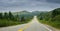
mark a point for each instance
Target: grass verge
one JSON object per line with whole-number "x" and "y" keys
{"x": 4, "y": 23}
{"x": 53, "y": 24}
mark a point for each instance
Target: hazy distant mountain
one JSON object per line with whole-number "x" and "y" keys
{"x": 36, "y": 12}
{"x": 21, "y": 12}
{"x": 26, "y": 13}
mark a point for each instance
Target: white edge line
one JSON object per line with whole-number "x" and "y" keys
{"x": 46, "y": 27}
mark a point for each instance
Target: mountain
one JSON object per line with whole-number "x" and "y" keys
{"x": 21, "y": 12}
{"x": 26, "y": 13}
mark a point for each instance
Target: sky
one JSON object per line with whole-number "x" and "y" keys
{"x": 29, "y": 5}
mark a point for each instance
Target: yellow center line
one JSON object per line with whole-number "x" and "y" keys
{"x": 24, "y": 27}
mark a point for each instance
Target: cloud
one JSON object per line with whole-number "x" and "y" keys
{"x": 54, "y": 1}
{"x": 12, "y": 3}
{"x": 25, "y": 3}
{"x": 6, "y": 5}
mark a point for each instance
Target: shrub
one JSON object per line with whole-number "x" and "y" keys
{"x": 56, "y": 18}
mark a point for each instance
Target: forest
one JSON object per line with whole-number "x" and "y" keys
{"x": 8, "y": 19}
{"x": 51, "y": 18}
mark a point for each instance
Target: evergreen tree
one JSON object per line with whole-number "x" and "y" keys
{"x": 16, "y": 18}
{"x": 22, "y": 19}
{"x": 6, "y": 15}
{"x": 1, "y": 15}
{"x": 55, "y": 12}
{"x": 11, "y": 16}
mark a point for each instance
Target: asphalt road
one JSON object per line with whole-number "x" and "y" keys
{"x": 34, "y": 25}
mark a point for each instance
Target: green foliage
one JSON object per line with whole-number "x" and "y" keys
{"x": 7, "y": 19}
{"x": 1, "y": 15}
{"x": 5, "y": 15}
{"x": 51, "y": 18}
{"x": 22, "y": 19}
{"x": 10, "y": 16}
{"x": 55, "y": 24}
{"x": 55, "y": 12}
{"x": 25, "y": 19}
{"x": 56, "y": 18}
{"x": 5, "y": 22}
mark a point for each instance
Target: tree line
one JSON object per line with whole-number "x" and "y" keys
{"x": 17, "y": 17}
{"x": 8, "y": 16}
{"x": 52, "y": 18}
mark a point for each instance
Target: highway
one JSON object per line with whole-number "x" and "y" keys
{"x": 34, "y": 25}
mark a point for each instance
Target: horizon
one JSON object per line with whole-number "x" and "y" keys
{"x": 22, "y": 11}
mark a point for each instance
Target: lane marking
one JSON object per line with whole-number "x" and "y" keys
{"x": 46, "y": 27}
{"x": 29, "y": 25}
{"x": 24, "y": 27}
{"x": 20, "y": 30}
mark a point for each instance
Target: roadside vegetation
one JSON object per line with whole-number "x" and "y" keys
{"x": 51, "y": 18}
{"x": 8, "y": 19}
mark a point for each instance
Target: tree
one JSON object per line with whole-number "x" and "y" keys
{"x": 16, "y": 17}
{"x": 41, "y": 17}
{"x": 22, "y": 19}
{"x": 10, "y": 15}
{"x": 56, "y": 18}
{"x": 1, "y": 15}
{"x": 55, "y": 12}
{"x": 6, "y": 15}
